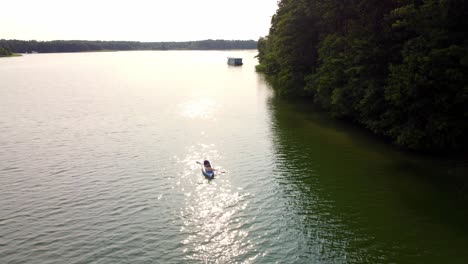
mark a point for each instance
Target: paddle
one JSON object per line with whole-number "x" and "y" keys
{"x": 213, "y": 168}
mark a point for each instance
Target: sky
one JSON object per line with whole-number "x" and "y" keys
{"x": 135, "y": 20}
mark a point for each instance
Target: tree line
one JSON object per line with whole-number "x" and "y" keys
{"x": 399, "y": 68}
{"x": 22, "y": 46}
{"x": 4, "y": 52}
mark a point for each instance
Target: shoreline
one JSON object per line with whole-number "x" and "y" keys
{"x": 12, "y": 55}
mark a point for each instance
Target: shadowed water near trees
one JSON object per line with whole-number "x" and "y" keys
{"x": 361, "y": 201}
{"x": 399, "y": 68}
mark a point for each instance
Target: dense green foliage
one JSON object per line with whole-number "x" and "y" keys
{"x": 4, "y": 52}
{"x": 400, "y": 68}
{"x": 21, "y": 46}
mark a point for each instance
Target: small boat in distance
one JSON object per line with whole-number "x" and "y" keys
{"x": 235, "y": 61}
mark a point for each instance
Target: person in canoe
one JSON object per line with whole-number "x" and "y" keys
{"x": 208, "y": 167}
{"x": 207, "y": 170}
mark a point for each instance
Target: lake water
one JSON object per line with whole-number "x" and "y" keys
{"x": 97, "y": 165}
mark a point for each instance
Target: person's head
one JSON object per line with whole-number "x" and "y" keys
{"x": 206, "y": 163}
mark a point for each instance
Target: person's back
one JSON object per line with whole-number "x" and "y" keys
{"x": 207, "y": 166}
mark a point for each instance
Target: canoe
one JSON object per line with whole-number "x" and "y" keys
{"x": 208, "y": 174}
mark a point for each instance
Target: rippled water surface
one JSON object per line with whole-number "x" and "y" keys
{"x": 97, "y": 165}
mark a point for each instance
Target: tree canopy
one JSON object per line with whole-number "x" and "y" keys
{"x": 5, "y": 52}
{"x": 400, "y": 68}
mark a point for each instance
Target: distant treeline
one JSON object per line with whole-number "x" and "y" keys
{"x": 4, "y": 52}
{"x": 400, "y": 68}
{"x": 22, "y": 46}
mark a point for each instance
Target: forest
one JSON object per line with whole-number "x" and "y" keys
{"x": 5, "y": 52}
{"x": 398, "y": 68}
{"x": 22, "y": 46}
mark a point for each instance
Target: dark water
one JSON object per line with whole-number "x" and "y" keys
{"x": 97, "y": 165}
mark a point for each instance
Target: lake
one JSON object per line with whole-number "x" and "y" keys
{"x": 98, "y": 159}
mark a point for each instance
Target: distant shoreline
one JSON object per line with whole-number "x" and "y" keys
{"x": 61, "y": 46}
{"x": 12, "y": 55}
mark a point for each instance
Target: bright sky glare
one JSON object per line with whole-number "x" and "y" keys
{"x": 136, "y": 20}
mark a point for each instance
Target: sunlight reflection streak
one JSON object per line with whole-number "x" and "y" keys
{"x": 203, "y": 108}
{"x": 211, "y": 216}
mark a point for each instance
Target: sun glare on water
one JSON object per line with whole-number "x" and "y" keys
{"x": 212, "y": 221}
{"x": 199, "y": 108}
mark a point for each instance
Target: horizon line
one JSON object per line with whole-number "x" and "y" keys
{"x": 165, "y": 41}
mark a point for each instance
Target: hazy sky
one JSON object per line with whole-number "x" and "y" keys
{"x": 139, "y": 20}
